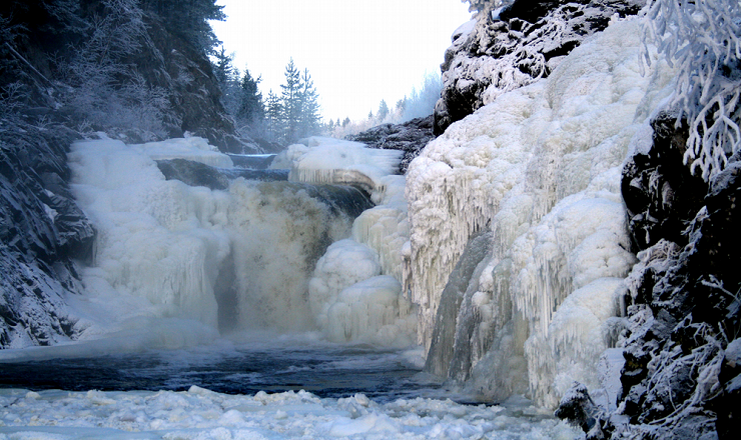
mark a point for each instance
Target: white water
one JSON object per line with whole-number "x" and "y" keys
{"x": 168, "y": 250}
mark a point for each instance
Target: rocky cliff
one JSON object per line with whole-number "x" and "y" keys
{"x": 506, "y": 48}
{"x": 680, "y": 376}
{"x": 41, "y": 231}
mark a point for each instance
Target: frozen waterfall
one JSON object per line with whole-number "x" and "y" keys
{"x": 247, "y": 258}
{"x": 539, "y": 168}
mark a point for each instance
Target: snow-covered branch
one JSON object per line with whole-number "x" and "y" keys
{"x": 703, "y": 38}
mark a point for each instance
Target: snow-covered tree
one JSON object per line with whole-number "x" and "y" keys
{"x": 383, "y": 110}
{"x": 422, "y": 103}
{"x": 102, "y": 89}
{"x": 703, "y": 38}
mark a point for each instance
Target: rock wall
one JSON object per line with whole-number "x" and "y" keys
{"x": 41, "y": 231}
{"x": 680, "y": 370}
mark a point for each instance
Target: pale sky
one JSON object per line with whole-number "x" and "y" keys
{"x": 357, "y": 51}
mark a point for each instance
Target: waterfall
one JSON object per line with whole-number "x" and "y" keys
{"x": 238, "y": 255}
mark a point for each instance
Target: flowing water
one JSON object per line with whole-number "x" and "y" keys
{"x": 326, "y": 370}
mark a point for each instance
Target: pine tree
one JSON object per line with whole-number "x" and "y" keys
{"x": 383, "y": 110}
{"x": 291, "y": 103}
{"x": 309, "y": 119}
{"x": 251, "y": 109}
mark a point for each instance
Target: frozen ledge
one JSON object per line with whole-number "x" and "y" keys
{"x": 327, "y": 161}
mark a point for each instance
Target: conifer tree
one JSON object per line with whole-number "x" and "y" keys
{"x": 383, "y": 110}
{"x": 309, "y": 118}
{"x": 291, "y": 103}
{"x": 296, "y": 113}
{"x": 251, "y": 109}
{"x": 274, "y": 112}
{"x": 222, "y": 66}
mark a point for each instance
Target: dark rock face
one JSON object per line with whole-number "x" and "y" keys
{"x": 522, "y": 43}
{"x": 578, "y": 408}
{"x": 660, "y": 193}
{"x": 167, "y": 60}
{"x": 409, "y": 137}
{"x": 681, "y": 373}
{"x": 41, "y": 231}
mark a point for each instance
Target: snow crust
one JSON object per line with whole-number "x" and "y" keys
{"x": 539, "y": 166}
{"x": 202, "y": 414}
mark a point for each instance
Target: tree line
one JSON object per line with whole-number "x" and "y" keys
{"x": 283, "y": 117}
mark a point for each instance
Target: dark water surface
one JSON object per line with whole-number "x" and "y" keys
{"x": 336, "y": 371}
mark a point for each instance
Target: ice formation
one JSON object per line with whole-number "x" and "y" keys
{"x": 235, "y": 259}
{"x": 356, "y": 289}
{"x": 334, "y": 161}
{"x": 247, "y": 257}
{"x": 203, "y": 414}
{"x": 540, "y": 168}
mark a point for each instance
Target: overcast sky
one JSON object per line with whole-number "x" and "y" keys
{"x": 358, "y": 52}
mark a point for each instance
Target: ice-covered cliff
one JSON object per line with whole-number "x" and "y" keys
{"x": 540, "y": 168}
{"x": 510, "y": 44}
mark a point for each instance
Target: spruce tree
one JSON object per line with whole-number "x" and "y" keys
{"x": 309, "y": 118}
{"x": 291, "y": 103}
{"x": 251, "y": 109}
{"x": 383, "y": 110}
{"x": 273, "y": 117}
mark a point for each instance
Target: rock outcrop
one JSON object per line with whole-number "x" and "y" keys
{"x": 409, "y": 137}
{"x": 681, "y": 374}
{"x": 41, "y": 231}
{"x": 198, "y": 174}
{"x": 507, "y": 48}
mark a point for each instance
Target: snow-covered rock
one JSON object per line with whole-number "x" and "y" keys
{"x": 510, "y": 47}
{"x": 409, "y": 137}
{"x": 41, "y": 231}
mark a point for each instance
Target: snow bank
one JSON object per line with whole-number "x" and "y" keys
{"x": 203, "y": 414}
{"x": 540, "y": 167}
